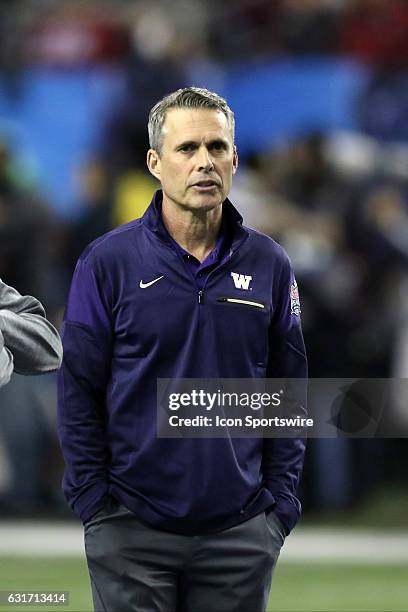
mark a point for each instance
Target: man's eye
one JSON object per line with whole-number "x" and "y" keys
{"x": 218, "y": 146}
{"x": 186, "y": 148}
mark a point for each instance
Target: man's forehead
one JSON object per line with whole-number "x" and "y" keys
{"x": 194, "y": 120}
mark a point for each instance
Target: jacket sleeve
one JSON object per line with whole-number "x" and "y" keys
{"x": 283, "y": 458}
{"x": 6, "y": 363}
{"x": 28, "y": 336}
{"x": 82, "y": 383}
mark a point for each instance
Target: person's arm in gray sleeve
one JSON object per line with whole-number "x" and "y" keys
{"x": 31, "y": 340}
{"x": 6, "y": 363}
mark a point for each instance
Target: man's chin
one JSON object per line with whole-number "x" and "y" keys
{"x": 205, "y": 202}
{"x": 198, "y": 202}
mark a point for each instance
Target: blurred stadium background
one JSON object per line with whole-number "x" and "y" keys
{"x": 320, "y": 92}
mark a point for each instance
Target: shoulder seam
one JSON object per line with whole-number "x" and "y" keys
{"x": 267, "y": 238}
{"x": 94, "y": 246}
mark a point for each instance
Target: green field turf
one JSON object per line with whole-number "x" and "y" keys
{"x": 311, "y": 587}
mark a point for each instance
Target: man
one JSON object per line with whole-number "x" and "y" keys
{"x": 29, "y": 344}
{"x": 178, "y": 524}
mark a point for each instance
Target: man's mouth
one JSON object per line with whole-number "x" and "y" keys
{"x": 207, "y": 184}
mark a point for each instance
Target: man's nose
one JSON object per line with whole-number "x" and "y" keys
{"x": 204, "y": 160}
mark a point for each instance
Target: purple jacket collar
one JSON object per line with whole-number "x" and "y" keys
{"x": 231, "y": 226}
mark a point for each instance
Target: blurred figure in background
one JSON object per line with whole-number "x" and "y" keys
{"x": 307, "y": 26}
{"x": 95, "y": 217}
{"x": 24, "y": 263}
{"x": 375, "y": 31}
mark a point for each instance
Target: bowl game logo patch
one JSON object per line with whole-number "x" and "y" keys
{"x": 294, "y": 299}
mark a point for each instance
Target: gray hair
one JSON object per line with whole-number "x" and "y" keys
{"x": 189, "y": 97}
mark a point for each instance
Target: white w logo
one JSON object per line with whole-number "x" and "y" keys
{"x": 241, "y": 281}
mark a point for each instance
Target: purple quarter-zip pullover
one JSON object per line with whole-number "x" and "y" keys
{"x": 122, "y": 332}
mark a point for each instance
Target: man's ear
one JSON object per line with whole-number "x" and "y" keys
{"x": 153, "y": 163}
{"x": 235, "y": 160}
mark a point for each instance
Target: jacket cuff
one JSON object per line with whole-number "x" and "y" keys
{"x": 90, "y": 501}
{"x": 287, "y": 512}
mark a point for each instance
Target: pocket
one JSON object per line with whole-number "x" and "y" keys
{"x": 109, "y": 509}
{"x": 275, "y": 526}
{"x": 262, "y": 498}
{"x": 243, "y": 324}
{"x": 240, "y": 302}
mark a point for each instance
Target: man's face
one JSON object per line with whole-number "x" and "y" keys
{"x": 198, "y": 158}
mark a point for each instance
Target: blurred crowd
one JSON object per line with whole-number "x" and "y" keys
{"x": 338, "y": 202}
{"x": 68, "y": 32}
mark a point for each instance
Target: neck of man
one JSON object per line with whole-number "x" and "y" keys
{"x": 195, "y": 231}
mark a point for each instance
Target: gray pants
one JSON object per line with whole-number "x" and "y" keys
{"x": 136, "y": 568}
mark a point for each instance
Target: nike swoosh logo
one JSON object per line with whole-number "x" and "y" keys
{"x": 143, "y": 285}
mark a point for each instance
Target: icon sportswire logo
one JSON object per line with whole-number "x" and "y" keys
{"x": 241, "y": 281}
{"x": 143, "y": 285}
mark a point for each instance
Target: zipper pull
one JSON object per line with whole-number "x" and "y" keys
{"x": 200, "y": 297}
